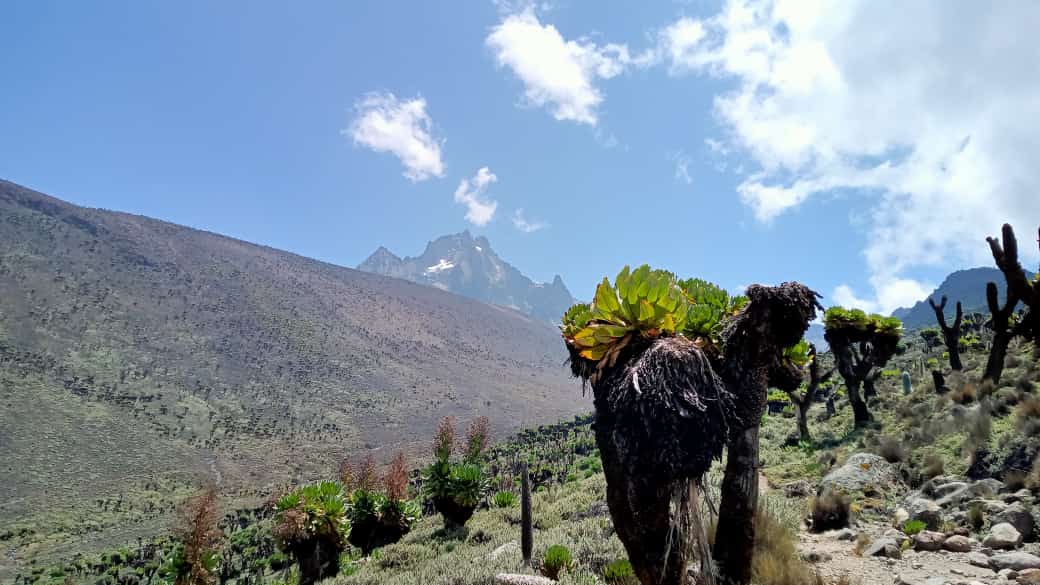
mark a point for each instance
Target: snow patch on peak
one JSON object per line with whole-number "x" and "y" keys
{"x": 440, "y": 267}
{"x": 479, "y": 249}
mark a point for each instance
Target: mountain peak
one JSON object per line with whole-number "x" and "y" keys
{"x": 468, "y": 266}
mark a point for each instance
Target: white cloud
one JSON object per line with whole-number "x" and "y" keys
{"x": 525, "y": 225}
{"x": 472, "y": 193}
{"x": 557, "y": 73}
{"x": 401, "y": 127}
{"x": 891, "y": 293}
{"x": 925, "y": 111}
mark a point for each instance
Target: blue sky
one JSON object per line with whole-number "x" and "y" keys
{"x": 863, "y": 151}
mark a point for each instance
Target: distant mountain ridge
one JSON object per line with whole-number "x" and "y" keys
{"x": 967, "y": 286}
{"x": 468, "y": 266}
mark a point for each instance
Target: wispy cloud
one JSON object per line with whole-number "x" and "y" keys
{"x": 385, "y": 123}
{"x": 682, "y": 167}
{"x": 525, "y": 225}
{"x": 473, "y": 194}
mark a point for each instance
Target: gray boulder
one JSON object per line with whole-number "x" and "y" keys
{"x": 1016, "y": 561}
{"x": 984, "y": 488}
{"x": 1018, "y": 516}
{"x": 958, "y": 544}
{"x": 978, "y": 559}
{"x": 1003, "y": 536}
{"x": 929, "y": 540}
{"x": 862, "y": 472}
{"x": 926, "y": 511}
{"x": 883, "y": 547}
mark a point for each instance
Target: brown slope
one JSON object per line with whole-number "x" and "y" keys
{"x": 131, "y": 347}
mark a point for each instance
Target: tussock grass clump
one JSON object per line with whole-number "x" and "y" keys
{"x": 892, "y": 450}
{"x": 830, "y": 510}
{"x": 976, "y": 516}
{"x": 934, "y": 466}
{"x": 1027, "y": 417}
{"x": 965, "y": 394}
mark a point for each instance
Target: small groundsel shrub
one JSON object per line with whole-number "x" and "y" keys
{"x": 619, "y": 572}
{"x": 456, "y": 488}
{"x": 912, "y": 527}
{"x": 504, "y": 500}
{"x": 557, "y": 558}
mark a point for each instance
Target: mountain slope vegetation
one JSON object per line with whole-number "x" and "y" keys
{"x": 139, "y": 358}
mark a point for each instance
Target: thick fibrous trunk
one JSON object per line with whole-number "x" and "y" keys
{"x": 939, "y": 381}
{"x": 860, "y": 413}
{"x": 803, "y": 401}
{"x": 640, "y": 508}
{"x": 526, "y": 523}
{"x": 951, "y": 335}
{"x": 735, "y": 533}
{"x": 317, "y": 559}
{"x": 1000, "y": 320}
{"x": 661, "y": 419}
{"x": 775, "y": 318}
{"x": 1006, "y": 258}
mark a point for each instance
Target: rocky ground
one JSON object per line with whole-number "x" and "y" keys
{"x": 951, "y": 531}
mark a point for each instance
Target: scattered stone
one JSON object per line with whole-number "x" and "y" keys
{"x": 1029, "y": 577}
{"x": 1018, "y": 516}
{"x": 948, "y": 488}
{"x": 900, "y": 517}
{"x": 813, "y": 556}
{"x": 902, "y": 580}
{"x": 925, "y": 510}
{"x": 1003, "y": 536}
{"x": 508, "y": 548}
{"x": 1016, "y": 561}
{"x": 843, "y": 534}
{"x": 862, "y": 471}
{"x": 978, "y": 559}
{"x": 801, "y": 488}
{"x": 958, "y": 544}
{"x": 517, "y": 579}
{"x": 896, "y": 535}
{"x": 929, "y": 540}
{"x": 883, "y": 547}
{"x": 984, "y": 488}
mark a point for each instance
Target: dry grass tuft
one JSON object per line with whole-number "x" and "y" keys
{"x": 830, "y": 510}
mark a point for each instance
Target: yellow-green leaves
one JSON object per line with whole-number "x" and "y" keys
{"x": 798, "y": 354}
{"x": 649, "y": 303}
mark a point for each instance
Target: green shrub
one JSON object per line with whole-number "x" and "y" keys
{"x": 504, "y": 500}
{"x": 557, "y": 558}
{"x": 912, "y": 527}
{"x": 619, "y": 572}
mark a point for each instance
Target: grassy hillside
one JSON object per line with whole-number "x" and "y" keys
{"x": 139, "y": 358}
{"x": 922, "y": 432}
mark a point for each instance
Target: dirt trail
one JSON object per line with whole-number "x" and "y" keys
{"x": 914, "y": 568}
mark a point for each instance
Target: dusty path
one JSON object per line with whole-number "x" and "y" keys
{"x": 914, "y": 568}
